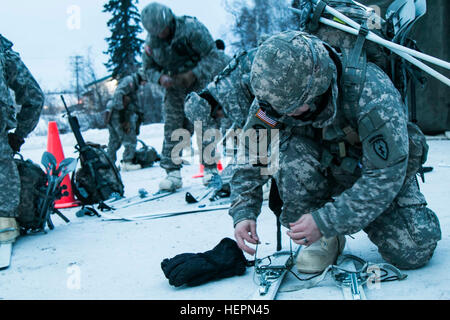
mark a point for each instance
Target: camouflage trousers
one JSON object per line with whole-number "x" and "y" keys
{"x": 406, "y": 234}
{"x": 118, "y": 137}
{"x": 9, "y": 180}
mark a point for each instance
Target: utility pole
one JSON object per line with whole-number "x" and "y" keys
{"x": 76, "y": 63}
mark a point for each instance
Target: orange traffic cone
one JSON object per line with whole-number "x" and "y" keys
{"x": 202, "y": 170}
{"x": 54, "y": 147}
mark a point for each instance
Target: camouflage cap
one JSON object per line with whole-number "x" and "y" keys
{"x": 197, "y": 109}
{"x": 291, "y": 69}
{"x": 156, "y": 17}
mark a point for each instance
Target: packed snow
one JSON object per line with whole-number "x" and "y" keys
{"x": 91, "y": 258}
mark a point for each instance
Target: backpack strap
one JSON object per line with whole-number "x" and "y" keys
{"x": 317, "y": 14}
{"x": 355, "y": 68}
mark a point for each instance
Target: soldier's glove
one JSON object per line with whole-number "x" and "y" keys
{"x": 185, "y": 80}
{"x": 126, "y": 100}
{"x": 15, "y": 141}
{"x": 193, "y": 269}
{"x": 165, "y": 81}
{"x": 126, "y": 127}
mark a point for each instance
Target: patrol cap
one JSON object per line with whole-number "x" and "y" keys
{"x": 156, "y": 17}
{"x": 291, "y": 69}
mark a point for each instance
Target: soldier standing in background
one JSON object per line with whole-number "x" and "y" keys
{"x": 14, "y": 75}
{"x": 124, "y": 118}
{"x": 181, "y": 56}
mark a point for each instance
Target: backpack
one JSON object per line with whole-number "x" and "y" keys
{"x": 146, "y": 156}
{"x": 38, "y": 192}
{"x": 357, "y": 51}
{"x": 33, "y": 182}
{"x": 96, "y": 181}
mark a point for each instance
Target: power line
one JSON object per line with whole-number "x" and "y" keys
{"x": 77, "y": 62}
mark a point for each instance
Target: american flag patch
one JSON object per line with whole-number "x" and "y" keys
{"x": 263, "y": 117}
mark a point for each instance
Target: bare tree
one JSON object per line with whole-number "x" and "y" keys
{"x": 255, "y": 18}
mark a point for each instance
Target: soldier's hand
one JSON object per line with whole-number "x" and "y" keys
{"x": 165, "y": 81}
{"x": 304, "y": 231}
{"x": 126, "y": 100}
{"x": 186, "y": 79}
{"x": 126, "y": 127}
{"x": 246, "y": 231}
{"x": 15, "y": 141}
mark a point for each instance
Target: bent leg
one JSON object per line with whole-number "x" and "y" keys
{"x": 407, "y": 233}
{"x": 115, "y": 138}
{"x": 9, "y": 181}
{"x": 130, "y": 140}
{"x": 174, "y": 119}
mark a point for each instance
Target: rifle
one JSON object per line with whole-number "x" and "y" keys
{"x": 89, "y": 157}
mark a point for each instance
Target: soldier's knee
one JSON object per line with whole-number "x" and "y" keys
{"x": 407, "y": 238}
{"x": 409, "y": 258}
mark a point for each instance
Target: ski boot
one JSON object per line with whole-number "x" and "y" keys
{"x": 171, "y": 182}
{"x": 9, "y": 231}
{"x": 129, "y": 166}
{"x": 318, "y": 256}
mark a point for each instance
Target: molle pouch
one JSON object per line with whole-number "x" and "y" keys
{"x": 349, "y": 165}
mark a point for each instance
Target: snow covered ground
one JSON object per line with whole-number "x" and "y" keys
{"x": 90, "y": 258}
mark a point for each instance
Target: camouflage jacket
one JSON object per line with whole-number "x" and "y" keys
{"x": 230, "y": 90}
{"x": 191, "y": 48}
{"x": 129, "y": 87}
{"x": 376, "y": 169}
{"x": 14, "y": 75}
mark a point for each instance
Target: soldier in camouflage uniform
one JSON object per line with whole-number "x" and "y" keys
{"x": 181, "y": 56}
{"x": 224, "y": 103}
{"x": 124, "y": 117}
{"x": 14, "y": 75}
{"x": 348, "y": 158}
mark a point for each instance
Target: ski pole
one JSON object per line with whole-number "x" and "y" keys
{"x": 398, "y": 49}
{"x": 404, "y": 55}
{"x": 391, "y": 45}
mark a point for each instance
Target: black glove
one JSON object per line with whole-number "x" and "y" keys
{"x": 15, "y": 141}
{"x": 193, "y": 269}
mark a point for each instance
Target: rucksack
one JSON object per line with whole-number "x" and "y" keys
{"x": 99, "y": 181}
{"x": 356, "y": 51}
{"x": 344, "y": 41}
{"x": 146, "y": 156}
{"x": 38, "y": 193}
{"x": 32, "y": 188}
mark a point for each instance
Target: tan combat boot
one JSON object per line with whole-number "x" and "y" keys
{"x": 129, "y": 166}
{"x": 318, "y": 256}
{"x": 171, "y": 182}
{"x": 9, "y": 230}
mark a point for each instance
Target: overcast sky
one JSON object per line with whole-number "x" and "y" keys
{"x": 47, "y": 33}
